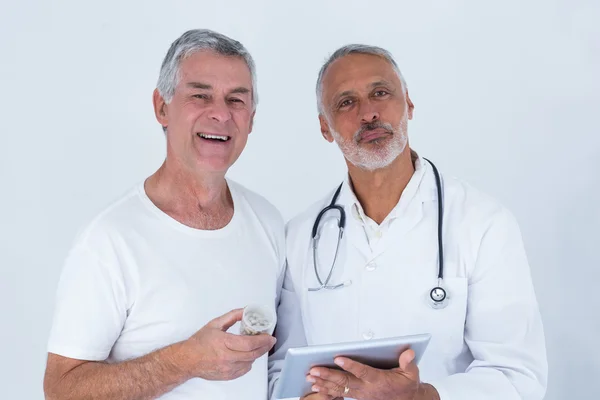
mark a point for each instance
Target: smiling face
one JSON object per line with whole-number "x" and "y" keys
{"x": 211, "y": 113}
{"x": 365, "y": 110}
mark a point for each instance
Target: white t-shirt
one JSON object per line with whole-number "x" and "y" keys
{"x": 136, "y": 280}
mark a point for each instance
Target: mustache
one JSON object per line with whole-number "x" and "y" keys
{"x": 371, "y": 126}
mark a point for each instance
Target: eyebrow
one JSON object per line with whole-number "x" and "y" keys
{"x": 380, "y": 83}
{"x": 199, "y": 85}
{"x": 240, "y": 90}
{"x": 206, "y": 86}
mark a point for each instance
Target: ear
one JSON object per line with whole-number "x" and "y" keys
{"x": 325, "y": 128}
{"x": 160, "y": 109}
{"x": 411, "y": 106}
{"x": 251, "y": 122}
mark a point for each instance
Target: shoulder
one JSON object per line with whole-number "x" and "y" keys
{"x": 111, "y": 222}
{"x": 472, "y": 205}
{"x": 479, "y": 223}
{"x": 94, "y": 252}
{"x": 303, "y": 222}
{"x": 259, "y": 205}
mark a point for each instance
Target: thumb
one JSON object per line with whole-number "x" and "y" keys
{"x": 407, "y": 365}
{"x": 226, "y": 321}
{"x": 406, "y": 358}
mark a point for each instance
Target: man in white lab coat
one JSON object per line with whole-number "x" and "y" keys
{"x": 487, "y": 337}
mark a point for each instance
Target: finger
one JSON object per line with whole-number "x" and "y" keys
{"x": 249, "y": 343}
{"x": 226, "y": 321}
{"x": 238, "y": 369}
{"x": 331, "y": 389}
{"x": 244, "y": 369}
{"x": 332, "y": 375}
{"x": 334, "y": 379}
{"x": 361, "y": 371}
{"x": 249, "y": 356}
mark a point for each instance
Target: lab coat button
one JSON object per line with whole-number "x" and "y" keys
{"x": 368, "y": 335}
{"x": 371, "y": 266}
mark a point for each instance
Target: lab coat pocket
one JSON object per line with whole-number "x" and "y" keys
{"x": 327, "y": 313}
{"x": 447, "y": 325}
{"x": 326, "y": 316}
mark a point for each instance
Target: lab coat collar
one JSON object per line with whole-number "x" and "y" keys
{"x": 415, "y": 188}
{"x": 408, "y": 211}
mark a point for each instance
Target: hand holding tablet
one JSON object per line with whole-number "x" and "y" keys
{"x": 381, "y": 354}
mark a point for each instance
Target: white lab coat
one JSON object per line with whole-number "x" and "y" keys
{"x": 488, "y": 343}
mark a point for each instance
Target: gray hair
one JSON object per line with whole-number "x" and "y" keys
{"x": 197, "y": 40}
{"x": 354, "y": 49}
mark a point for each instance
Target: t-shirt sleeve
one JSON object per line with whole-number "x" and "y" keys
{"x": 91, "y": 306}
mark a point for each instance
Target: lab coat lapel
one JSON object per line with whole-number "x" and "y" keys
{"x": 408, "y": 217}
{"x": 412, "y": 211}
{"x": 356, "y": 235}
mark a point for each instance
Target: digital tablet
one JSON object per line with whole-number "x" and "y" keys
{"x": 378, "y": 353}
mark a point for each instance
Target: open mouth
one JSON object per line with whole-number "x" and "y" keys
{"x": 214, "y": 138}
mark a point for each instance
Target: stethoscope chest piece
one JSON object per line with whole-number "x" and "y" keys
{"x": 438, "y": 297}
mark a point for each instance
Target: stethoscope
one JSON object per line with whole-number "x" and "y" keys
{"x": 437, "y": 295}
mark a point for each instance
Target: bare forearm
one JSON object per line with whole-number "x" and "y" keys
{"x": 143, "y": 378}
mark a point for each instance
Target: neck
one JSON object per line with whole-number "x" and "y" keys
{"x": 201, "y": 201}
{"x": 379, "y": 191}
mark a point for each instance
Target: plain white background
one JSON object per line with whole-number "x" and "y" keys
{"x": 506, "y": 98}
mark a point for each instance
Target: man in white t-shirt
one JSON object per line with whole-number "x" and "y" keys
{"x": 145, "y": 300}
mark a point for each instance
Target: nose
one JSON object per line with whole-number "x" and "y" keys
{"x": 219, "y": 112}
{"x": 368, "y": 113}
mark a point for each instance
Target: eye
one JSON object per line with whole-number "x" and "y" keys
{"x": 380, "y": 93}
{"x": 200, "y": 96}
{"x": 345, "y": 103}
{"x": 236, "y": 100}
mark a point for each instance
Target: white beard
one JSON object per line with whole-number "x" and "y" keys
{"x": 374, "y": 155}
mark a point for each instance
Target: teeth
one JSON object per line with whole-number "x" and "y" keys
{"x": 205, "y": 136}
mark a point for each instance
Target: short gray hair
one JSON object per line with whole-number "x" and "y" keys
{"x": 197, "y": 40}
{"x": 354, "y": 49}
